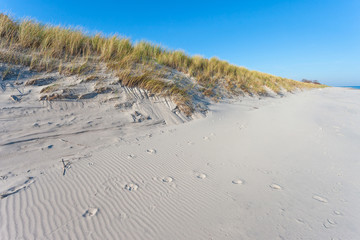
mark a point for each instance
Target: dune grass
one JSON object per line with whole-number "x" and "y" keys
{"x": 70, "y": 51}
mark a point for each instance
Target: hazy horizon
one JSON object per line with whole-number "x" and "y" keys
{"x": 315, "y": 40}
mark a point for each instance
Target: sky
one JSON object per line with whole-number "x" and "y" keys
{"x": 297, "y": 39}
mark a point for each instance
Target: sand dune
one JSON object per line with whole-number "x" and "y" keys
{"x": 275, "y": 168}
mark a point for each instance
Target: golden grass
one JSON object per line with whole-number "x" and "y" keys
{"x": 50, "y": 88}
{"x": 70, "y": 51}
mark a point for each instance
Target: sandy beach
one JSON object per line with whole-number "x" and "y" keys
{"x": 270, "y": 168}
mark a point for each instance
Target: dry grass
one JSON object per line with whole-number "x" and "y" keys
{"x": 70, "y": 51}
{"x": 50, "y": 88}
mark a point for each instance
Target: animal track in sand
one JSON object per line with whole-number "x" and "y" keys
{"x": 90, "y": 212}
{"x": 17, "y": 188}
{"x": 131, "y": 187}
{"x": 238, "y": 181}
{"x": 151, "y": 151}
{"x": 275, "y": 186}
{"x": 201, "y": 175}
{"x": 167, "y": 179}
{"x": 320, "y": 199}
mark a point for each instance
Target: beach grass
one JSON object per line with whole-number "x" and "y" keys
{"x": 71, "y": 51}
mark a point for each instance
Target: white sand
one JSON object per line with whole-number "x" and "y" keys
{"x": 276, "y": 168}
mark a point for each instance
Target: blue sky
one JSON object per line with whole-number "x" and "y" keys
{"x": 318, "y": 40}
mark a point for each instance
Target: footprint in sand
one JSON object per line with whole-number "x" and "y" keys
{"x": 167, "y": 179}
{"x": 238, "y": 181}
{"x": 131, "y": 187}
{"x": 320, "y": 199}
{"x": 337, "y": 213}
{"x": 90, "y": 212}
{"x": 131, "y": 156}
{"x": 329, "y": 223}
{"x": 151, "y": 151}
{"x": 201, "y": 175}
{"x": 299, "y": 220}
{"x": 206, "y": 138}
{"x": 275, "y": 186}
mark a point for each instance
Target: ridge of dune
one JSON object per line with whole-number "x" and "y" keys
{"x": 158, "y": 71}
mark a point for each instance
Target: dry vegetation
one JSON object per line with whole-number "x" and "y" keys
{"x": 69, "y": 51}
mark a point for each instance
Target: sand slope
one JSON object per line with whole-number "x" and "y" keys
{"x": 276, "y": 168}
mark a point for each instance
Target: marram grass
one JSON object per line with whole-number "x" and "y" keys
{"x": 70, "y": 51}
